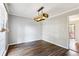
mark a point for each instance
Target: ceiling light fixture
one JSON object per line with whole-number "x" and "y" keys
{"x": 41, "y": 15}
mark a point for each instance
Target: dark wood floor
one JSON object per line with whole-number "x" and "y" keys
{"x": 36, "y": 48}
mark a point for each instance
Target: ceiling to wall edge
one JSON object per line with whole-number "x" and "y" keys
{"x": 19, "y": 16}
{"x": 50, "y": 16}
{"x": 64, "y": 12}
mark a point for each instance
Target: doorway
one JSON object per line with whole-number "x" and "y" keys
{"x": 74, "y": 33}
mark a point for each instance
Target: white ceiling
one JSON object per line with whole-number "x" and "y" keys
{"x": 30, "y": 9}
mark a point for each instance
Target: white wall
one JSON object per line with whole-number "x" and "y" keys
{"x": 3, "y": 40}
{"x": 23, "y": 30}
{"x": 55, "y": 30}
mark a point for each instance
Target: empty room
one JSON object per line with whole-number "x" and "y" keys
{"x": 39, "y": 29}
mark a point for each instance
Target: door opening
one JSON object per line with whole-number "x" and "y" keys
{"x": 74, "y": 33}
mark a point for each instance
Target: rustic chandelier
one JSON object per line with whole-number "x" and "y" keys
{"x": 41, "y": 15}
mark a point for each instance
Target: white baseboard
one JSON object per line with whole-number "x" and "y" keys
{"x": 56, "y": 44}
{"x": 22, "y": 42}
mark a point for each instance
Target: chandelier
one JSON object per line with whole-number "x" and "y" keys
{"x": 41, "y": 15}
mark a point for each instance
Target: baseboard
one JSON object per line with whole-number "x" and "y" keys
{"x": 22, "y": 42}
{"x": 4, "y": 53}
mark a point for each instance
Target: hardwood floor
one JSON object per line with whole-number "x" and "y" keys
{"x": 36, "y": 48}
